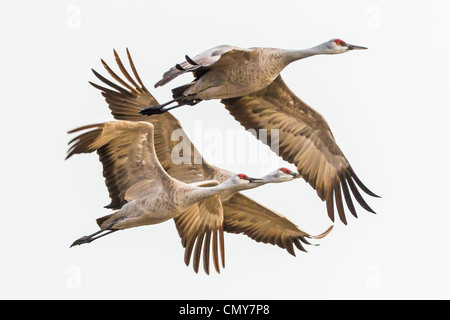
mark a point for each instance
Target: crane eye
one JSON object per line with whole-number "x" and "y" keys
{"x": 285, "y": 170}
{"x": 242, "y": 176}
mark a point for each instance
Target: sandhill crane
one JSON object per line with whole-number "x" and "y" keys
{"x": 227, "y": 72}
{"x": 241, "y": 214}
{"x": 130, "y": 163}
{"x": 249, "y": 84}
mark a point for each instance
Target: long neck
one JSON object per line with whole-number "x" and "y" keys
{"x": 200, "y": 193}
{"x": 294, "y": 55}
{"x": 225, "y": 190}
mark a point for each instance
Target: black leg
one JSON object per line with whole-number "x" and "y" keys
{"x": 155, "y": 109}
{"x": 105, "y": 234}
{"x": 92, "y": 237}
{"x": 151, "y": 110}
{"x": 163, "y": 107}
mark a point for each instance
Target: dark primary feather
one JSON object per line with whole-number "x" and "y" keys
{"x": 305, "y": 139}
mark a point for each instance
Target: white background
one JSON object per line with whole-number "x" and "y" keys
{"x": 388, "y": 108}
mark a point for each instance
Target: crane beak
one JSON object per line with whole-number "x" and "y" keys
{"x": 295, "y": 174}
{"x": 255, "y": 179}
{"x": 353, "y": 47}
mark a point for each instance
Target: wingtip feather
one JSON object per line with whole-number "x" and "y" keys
{"x": 323, "y": 234}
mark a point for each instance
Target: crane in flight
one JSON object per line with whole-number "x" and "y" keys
{"x": 249, "y": 84}
{"x": 226, "y": 72}
{"x": 129, "y": 160}
{"x": 241, "y": 213}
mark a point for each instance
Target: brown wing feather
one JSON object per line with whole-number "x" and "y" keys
{"x": 126, "y": 152}
{"x": 127, "y": 100}
{"x": 305, "y": 139}
{"x": 197, "y": 226}
{"x": 244, "y": 215}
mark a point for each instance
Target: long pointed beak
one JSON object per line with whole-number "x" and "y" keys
{"x": 255, "y": 179}
{"x": 295, "y": 174}
{"x": 353, "y": 47}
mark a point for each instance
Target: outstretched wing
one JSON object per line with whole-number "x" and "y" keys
{"x": 126, "y": 151}
{"x": 244, "y": 215}
{"x": 304, "y": 139}
{"x": 200, "y": 224}
{"x": 201, "y": 63}
{"x": 126, "y": 100}
{"x": 128, "y": 97}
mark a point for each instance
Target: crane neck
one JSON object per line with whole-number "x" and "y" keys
{"x": 200, "y": 193}
{"x": 225, "y": 190}
{"x": 294, "y": 55}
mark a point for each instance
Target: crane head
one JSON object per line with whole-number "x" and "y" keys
{"x": 336, "y": 46}
{"x": 287, "y": 172}
{"x": 280, "y": 175}
{"x": 283, "y": 174}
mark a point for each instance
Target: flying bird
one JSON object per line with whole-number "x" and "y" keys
{"x": 152, "y": 196}
{"x": 241, "y": 213}
{"x": 227, "y": 72}
{"x": 249, "y": 85}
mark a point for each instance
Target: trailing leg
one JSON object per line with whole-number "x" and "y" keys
{"x": 94, "y": 236}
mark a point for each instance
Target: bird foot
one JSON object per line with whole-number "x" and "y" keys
{"x": 82, "y": 240}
